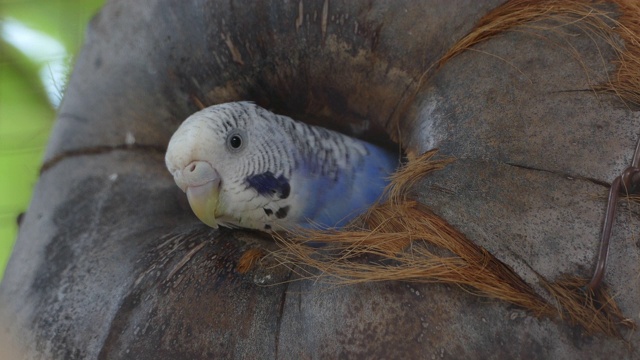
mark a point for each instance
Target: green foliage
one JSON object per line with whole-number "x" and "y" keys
{"x": 26, "y": 113}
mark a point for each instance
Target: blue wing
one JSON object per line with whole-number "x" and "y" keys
{"x": 337, "y": 201}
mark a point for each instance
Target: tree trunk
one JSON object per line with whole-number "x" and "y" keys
{"x": 110, "y": 262}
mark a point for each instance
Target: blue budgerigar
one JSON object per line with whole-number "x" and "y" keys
{"x": 244, "y": 166}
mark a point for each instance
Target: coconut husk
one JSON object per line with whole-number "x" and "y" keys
{"x": 401, "y": 240}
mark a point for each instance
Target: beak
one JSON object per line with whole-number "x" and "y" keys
{"x": 203, "y": 200}
{"x": 201, "y": 182}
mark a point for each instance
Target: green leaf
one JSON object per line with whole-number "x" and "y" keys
{"x": 26, "y": 114}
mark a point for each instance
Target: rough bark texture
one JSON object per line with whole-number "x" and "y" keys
{"x": 110, "y": 263}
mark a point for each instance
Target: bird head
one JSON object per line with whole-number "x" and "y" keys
{"x": 214, "y": 151}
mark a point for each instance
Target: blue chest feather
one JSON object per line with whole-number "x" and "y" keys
{"x": 267, "y": 184}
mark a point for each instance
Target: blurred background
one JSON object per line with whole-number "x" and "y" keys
{"x": 39, "y": 40}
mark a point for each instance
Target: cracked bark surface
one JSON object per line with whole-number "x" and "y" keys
{"x": 110, "y": 262}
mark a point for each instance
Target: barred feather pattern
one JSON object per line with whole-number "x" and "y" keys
{"x": 323, "y": 151}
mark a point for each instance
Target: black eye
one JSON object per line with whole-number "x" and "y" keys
{"x": 236, "y": 140}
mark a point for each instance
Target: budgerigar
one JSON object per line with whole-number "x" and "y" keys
{"x": 244, "y": 166}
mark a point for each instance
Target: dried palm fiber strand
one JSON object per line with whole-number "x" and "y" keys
{"x": 249, "y": 259}
{"x": 595, "y": 310}
{"x": 534, "y": 16}
{"x": 402, "y": 240}
{"x": 620, "y": 28}
{"x": 626, "y": 82}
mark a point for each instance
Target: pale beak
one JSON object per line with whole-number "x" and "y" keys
{"x": 203, "y": 200}
{"x": 201, "y": 182}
